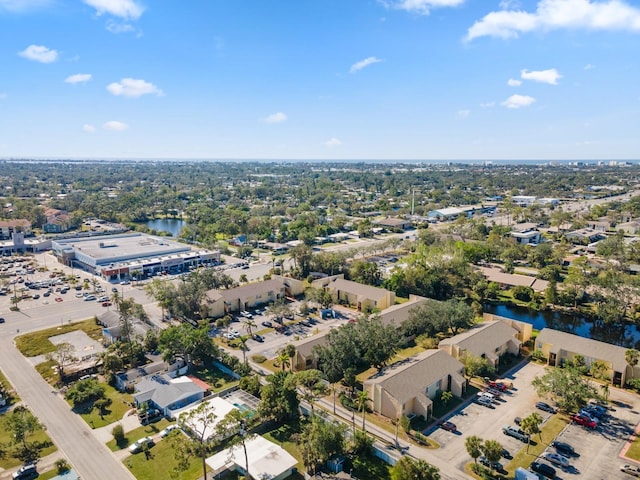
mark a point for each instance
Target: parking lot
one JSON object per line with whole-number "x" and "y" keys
{"x": 599, "y": 449}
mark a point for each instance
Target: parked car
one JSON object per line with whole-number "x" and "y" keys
{"x": 165, "y": 433}
{"x": 587, "y": 414}
{"x": 556, "y": 459}
{"x": 484, "y": 401}
{"x": 89, "y": 298}
{"x": 267, "y": 324}
{"x": 258, "y": 338}
{"x": 58, "y": 299}
{"x": 515, "y": 433}
{"x": 543, "y": 469}
{"x": 545, "y": 407}
{"x": 499, "y": 386}
{"x": 517, "y": 420}
{"x": 494, "y": 465}
{"x": 597, "y": 411}
{"x": 1, "y": 320}
{"x": 25, "y": 472}
{"x": 106, "y": 304}
{"x": 448, "y": 426}
{"x": 304, "y": 323}
{"x": 245, "y": 314}
{"x": 630, "y": 469}
{"x": 138, "y": 445}
{"x": 506, "y": 454}
{"x": 584, "y": 421}
{"x": 565, "y": 449}
{"x": 35, "y": 296}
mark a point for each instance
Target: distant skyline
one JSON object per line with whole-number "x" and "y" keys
{"x": 406, "y": 80}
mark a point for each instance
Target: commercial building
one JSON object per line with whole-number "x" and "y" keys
{"x": 130, "y": 255}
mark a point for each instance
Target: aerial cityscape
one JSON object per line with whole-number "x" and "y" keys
{"x": 366, "y": 240}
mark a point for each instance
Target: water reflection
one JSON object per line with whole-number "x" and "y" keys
{"x": 627, "y": 336}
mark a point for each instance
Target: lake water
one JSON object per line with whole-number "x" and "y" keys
{"x": 172, "y": 225}
{"x": 627, "y": 336}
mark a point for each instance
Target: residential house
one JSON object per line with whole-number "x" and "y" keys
{"x": 411, "y": 385}
{"x": 362, "y": 297}
{"x": 509, "y": 280}
{"x": 599, "y": 225}
{"x": 394, "y": 223}
{"x": 168, "y": 394}
{"x": 265, "y": 460}
{"x": 112, "y": 328}
{"x": 559, "y": 347}
{"x": 58, "y": 221}
{"x": 9, "y": 227}
{"x": 530, "y": 236}
{"x": 584, "y": 236}
{"x": 525, "y": 329}
{"x": 629, "y": 228}
{"x": 489, "y": 340}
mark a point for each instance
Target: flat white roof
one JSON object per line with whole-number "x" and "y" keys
{"x": 220, "y": 408}
{"x": 266, "y": 459}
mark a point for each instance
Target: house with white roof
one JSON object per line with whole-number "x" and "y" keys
{"x": 265, "y": 460}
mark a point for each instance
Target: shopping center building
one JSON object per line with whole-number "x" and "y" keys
{"x": 132, "y": 255}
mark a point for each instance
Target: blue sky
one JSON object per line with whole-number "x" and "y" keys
{"x": 320, "y": 79}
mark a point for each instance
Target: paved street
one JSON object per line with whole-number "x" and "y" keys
{"x": 88, "y": 457}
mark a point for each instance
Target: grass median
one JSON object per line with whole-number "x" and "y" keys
{"x": 548, "y": 433}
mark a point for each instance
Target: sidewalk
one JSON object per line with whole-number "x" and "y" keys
{"x": 129, "y": 422}
{"x": 44, "y": 464}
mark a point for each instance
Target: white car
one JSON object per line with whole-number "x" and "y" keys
{"x": 556, "y": 459}
{"x": 165, "y": 433}
{"x": 246, "y": 314}
{"x": 139, "y": 444}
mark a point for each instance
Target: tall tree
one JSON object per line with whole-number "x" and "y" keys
{"x": 473, "y": 444}
{"x": 408, "y": 468}
{"x": 311, "y": 385}
{"x": 492, "y": 450}
{"x": 199, "y": 422}
{"x": 531, "y": 425}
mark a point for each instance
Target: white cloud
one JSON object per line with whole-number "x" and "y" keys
{"x": 118, "y": 27}
{"x": 488, "y": 104}
{"x": 78, "y": 78}
{"x": 558, "y": 14}
{"x": 509, "y": 4}
{"x": 464, "y": 113}
{"x": 421, "y": 7}
{"x": 333, "y": 142}
{"x": 115, "y": 126}
{"x": 277, "y": 117}
{"x": 133, "y": 88}
{"x": 19, "y": 6}
{"x": 39, "y": 53}
{"x": 514, "y": 83}
{"x": 356, "y": 67}
{"x": 588, "y": 66}
{"x": 518, "y": 101}
{"x": 549, "y": 76}
{"x": 90, "y": 128}
{"x": 127, "y": 9}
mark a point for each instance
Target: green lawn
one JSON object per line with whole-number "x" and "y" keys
{"x": 9, "y": 387}
{"x": 48, "y": 372}
{"x": 161, "y": 462}
{"x": 217, "y": 379}
{"x": 143, "y": 431}
{"x": 9, "y": 461}
{"x": 120, "y": 404}
{"x": 549, "y": 432}
{"x": 37, "y": 343}
{"x": 634, "y": 450}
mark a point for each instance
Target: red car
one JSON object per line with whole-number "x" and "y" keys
{"x": 449, "y": 426}
{"x": 498, "y": 386}
{"x": 58, "y": 299}
{"x": 106, "y": 304}
{"x": 584, "y": 421}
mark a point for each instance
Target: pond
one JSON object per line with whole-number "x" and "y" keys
{"x": 173, "y": 226}
{"x": 627, "y": 336}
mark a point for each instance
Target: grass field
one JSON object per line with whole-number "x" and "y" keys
{"x": 8, "y": 461}
{"x": 120, "y": 404}
{"x": 144, "y": 431}
{"x": 161, "y": 461}
{"x": 549, "y": 431}
{"x": 634, "y": 450}
{"x": 216, "y": 378}
{"x": 37, "y": 343}
{"x": 8, "y": 386}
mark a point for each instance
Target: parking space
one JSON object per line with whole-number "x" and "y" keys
{"x": 487, "y": 423}
{"x": 599, "y": 449}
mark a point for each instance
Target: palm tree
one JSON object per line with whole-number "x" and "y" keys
{"x": 632, "y": 356}
{"x": 243, "y": 346}
{"x": 116, "y": 299}
{"x": 243, "y": 278}
{"x": 282, "y": 360}
{"x": 363, "y": 398}
{"x": 249, "y": 323}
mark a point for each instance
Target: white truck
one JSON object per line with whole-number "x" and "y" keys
{"x": 522, "y": 474}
